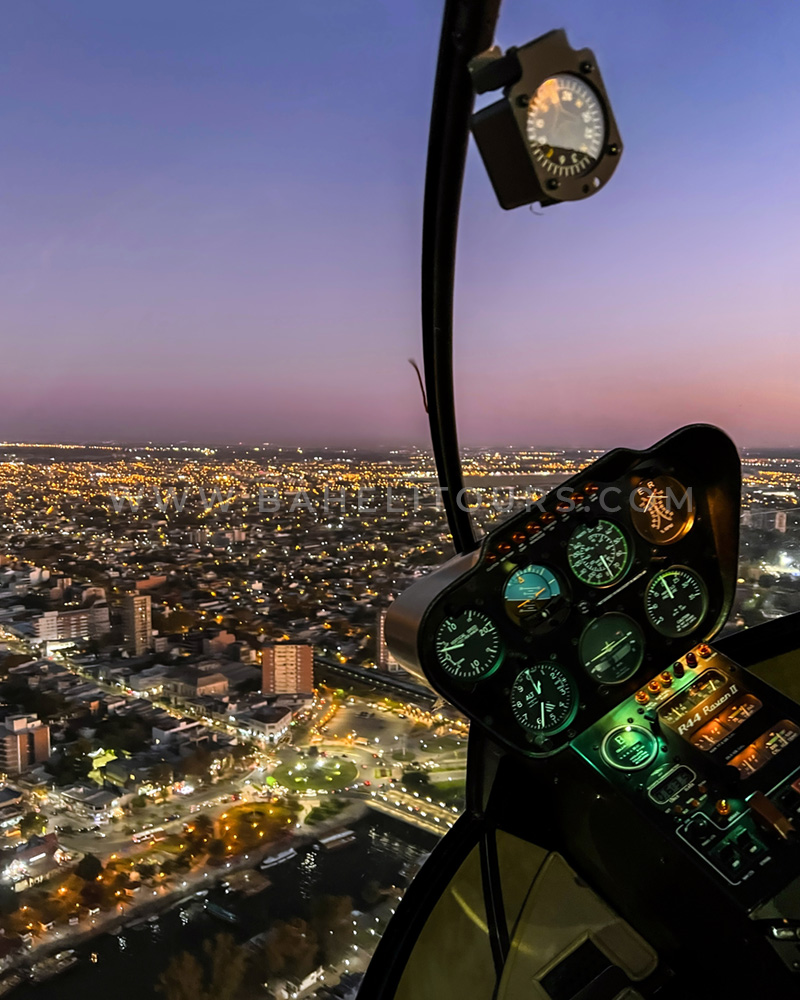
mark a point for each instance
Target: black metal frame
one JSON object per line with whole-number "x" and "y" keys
{"x": 467, "y": 30}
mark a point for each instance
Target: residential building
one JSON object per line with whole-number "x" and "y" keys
{"x": 195, "y": 684}
{"x": 83, "y": 623}
{"x": 24, "y": 742}
{"x": 269, "y": 723}
{"x": 137, "y": 623}
{"x": 287, "y": 668}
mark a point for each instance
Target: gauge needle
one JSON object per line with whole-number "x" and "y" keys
{"x": 607, "y": 648}
{"x": 608, "y": 569}
{"x": 666, "y": 587}
{"x": 543, "y": 719}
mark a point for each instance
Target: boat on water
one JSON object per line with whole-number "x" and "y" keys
{"x": 336, "y": 840}
{"x": 278, "y": 859}
{"x": 53, "y": 966}
{"x": 11, "y": 981}
{"x": 137, "y": 925}
{"x": 221, "y": 913}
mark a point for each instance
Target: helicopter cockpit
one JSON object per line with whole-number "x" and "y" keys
{"x": 633, "y": 819}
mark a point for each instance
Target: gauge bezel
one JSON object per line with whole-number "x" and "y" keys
{"x": 535, "y": 624}
{"x": 641, "y": 640}
{"x": 672, "y": 633}
{"x": 627, "y": 767}
{"x": 640, "y": 519}
{"x": 574, "y": 696}
{"x": 566, "y": 80}
{"x": 484, "y": 674}
{"x": 589, "y": 526}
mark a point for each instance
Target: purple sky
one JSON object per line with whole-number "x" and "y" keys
{"x": 211, "y": 228}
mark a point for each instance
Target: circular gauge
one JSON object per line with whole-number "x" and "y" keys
{"x": 566, "y": 126}
{"x": 544, "y": 698}
{"x": 661, "y": 510}
{"x": 611, "y": 648}
{"x": 536, "y": 598}
{"x": 598, "y": 554}
{"x": 676, "y": 601}
{"x": 629, "y": 748}
{"x": 468, "y": 646}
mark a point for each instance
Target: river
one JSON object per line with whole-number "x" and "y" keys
{"x": 128, "y": 965}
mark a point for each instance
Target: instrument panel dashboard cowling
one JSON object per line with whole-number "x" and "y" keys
{"x": 633, "y": 560}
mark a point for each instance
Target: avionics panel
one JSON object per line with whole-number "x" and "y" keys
{"x": 712, "y": 755}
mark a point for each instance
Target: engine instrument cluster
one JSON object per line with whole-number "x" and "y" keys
{"x": 708, "y": 751}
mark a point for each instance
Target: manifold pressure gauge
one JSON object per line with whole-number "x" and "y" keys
{"x": 552, "y": 137}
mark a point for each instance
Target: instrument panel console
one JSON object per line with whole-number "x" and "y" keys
{"x": 573, "y": 603}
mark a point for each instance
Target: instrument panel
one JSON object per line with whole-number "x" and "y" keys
{"x": 573, "y": 603}
{"x": 711, "y": 754}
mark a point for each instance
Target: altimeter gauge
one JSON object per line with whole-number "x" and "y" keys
{"x": 676, "y": 601}
{"x": 598, "y": 554}
{"x": 661, "y": 510}
{"x": 544, "y": 698}
{"x": 565, "y": 126}
{"x": 468, "y": 646}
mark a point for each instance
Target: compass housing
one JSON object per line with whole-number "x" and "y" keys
{"x": 522, "y": 169}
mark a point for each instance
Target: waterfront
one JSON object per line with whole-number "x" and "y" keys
{"x": 129, "y": 964}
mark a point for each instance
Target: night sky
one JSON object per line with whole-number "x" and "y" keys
{"x": 211, "y": 218}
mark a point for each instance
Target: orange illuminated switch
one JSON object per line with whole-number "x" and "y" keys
{"x": 705, "y": 651}
{"x": 533, "y": 528}
{"x": 548, "y": 518}
{"x": 518, "y": 537}
{"x": 665, "y": 678}
{"x": 642, "y": 697}
{"x": 654, "y": 686}
{"x": 503, "y": 548}
{"x": 723, "y": 808}
{"x": 590, "y": 488}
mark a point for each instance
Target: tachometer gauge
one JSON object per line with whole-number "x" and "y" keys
{"x": 536, "y": 598}
{"x": 566, "y": 126}
{"x": 468, "y": 646}
{"x": 661, "y": 510}
{"x": 676, "y": 601}
{"x": 598, "y": 554}
{"x": 611, "y": 648}
{"x": 629, "y": 748}
{"x": 544, "y": 698}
